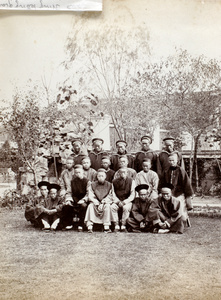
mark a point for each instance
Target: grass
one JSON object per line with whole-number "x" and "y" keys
{"x": 72, "y": 265}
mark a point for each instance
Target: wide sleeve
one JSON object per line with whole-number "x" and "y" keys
{"x": 86, "y": 197}
{"x": 175, "y": 214}
{"x": 109, "y": 198}
{"x": 136, "y": 213}
{"x": 92, "y": 197}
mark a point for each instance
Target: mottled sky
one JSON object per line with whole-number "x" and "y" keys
{"x": 32, "y": 43}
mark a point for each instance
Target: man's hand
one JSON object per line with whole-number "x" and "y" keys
{"x": 162, "y": 225}
{"x": 68, "y": 202}
{"x": 80, "y": 201}
{"x": 114, "y": 206}
{"x": 142, "y": 224}
{"x": 100, "y": 207}
{"x": 52, "y": 211}
{"x": 121, "y": 204}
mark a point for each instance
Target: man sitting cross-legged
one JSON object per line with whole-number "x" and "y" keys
{"x": 123, "y": 195}
{"x": 166, "y": 212}
{"x": 76, "y": 205}
{"x": 139, "y": 217}
{"x": 100, "y": 198}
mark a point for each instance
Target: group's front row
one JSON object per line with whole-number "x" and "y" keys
{"x": 120, "y": 204}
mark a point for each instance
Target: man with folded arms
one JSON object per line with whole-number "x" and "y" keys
{"x": 139, "y": 217}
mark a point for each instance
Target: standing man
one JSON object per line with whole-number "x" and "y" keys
{"x": 78, "y": 152}
{"x": 166, "y": 212}
{"x": 100, "y": 198}
{"x": 164, "y": 155}
{"x": 178, "y": 177}
{"x": 89, "y": 172}
{"x": 97, "y": 153}
{"x": 105, "y": 164}
{"x": 149, "y": 178}
{"x": 121, "y": 150}
{"x": 146, "y": 152}
{"x": 123, "y": 195}
{"x": 139, "y": 218}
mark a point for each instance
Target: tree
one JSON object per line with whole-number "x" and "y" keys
{"x": 188, "y": 95}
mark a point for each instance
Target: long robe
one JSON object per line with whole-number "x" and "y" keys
{"x": 169, "y": 212}
{"x": 65, "y": 181}
{"x": 164, "y": 161}
{"x": 90, "y": 174}
{"x": 98, "y": 211}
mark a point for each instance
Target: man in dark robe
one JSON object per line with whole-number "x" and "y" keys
{"x": 178, "y": 177}
{"x": 75, "y": 207}
{"x": 121, "y": 150}
{"x": 31, "y": 211}
{"x": 166, "y": 213}
{"x": 105, "y": 164}
{"x": 164, "y": 155}
{"x": 123, "y": 195}
{"x": 97, "y": 153}
{"x": 100, "y": 198}
{"x": 146, "y": 152}
{"x": 78, "y": 152}
{"x": 139, "y": 217}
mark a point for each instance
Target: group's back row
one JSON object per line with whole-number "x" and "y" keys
{"x": 97, "y": 155}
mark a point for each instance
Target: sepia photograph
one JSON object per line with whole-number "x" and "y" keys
{"x": 110, "y": 154}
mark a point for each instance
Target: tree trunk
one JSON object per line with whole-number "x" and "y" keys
{"x": 196, "y": 146}
{"x": 191, "y": 161}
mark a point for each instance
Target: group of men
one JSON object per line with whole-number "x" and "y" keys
{"x": 148, "y": 192}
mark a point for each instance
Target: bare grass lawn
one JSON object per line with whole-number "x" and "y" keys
{"x": 72, "y": 265}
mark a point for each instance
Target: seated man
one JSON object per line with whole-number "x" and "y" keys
{"x": 178, "y": 177}
{"x": 100, "y": 198}
{"x": 139, "y": 217}
{"x": 66, "y": 177}
{"x": 123, "y": 195}
{"x": 89, "y": 172}
{"x": 105, "y": 164}
{"x": 166, "y": 213}
{"x": 33, "y": 209}
{"x": 123, "y": 162}
{"x": 52, "y": 208}
{"x": 148, "y": 177}
{"x": 97, "y": 153}
{"x": 76, "y": 205}
{"x": 121, "y": 150}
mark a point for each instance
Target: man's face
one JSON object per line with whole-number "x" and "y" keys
{"x": 173, "y": 160}
{"x": 105, "y": 164}
{"x": 97, "y": 147}
{"x": 44, "y": 191}
{"x": 53, "y": 193}
{"x": 146, "y": 144}
{"x": 101, "y": 176}
{"x": 146, "y": 166}
{"x": 123, "y": 173}
{"x": 69, "y": 164}
{"x": 79, "y": 173}
{"x": 77, "y": 147}
{"x": 169, "y": 145}
{"x": 143, "y": 195}
{"x": 166, "y": 193}
{"x": 121, "y": 149}
{"x": 86, "y": 163}
{"x": 123, "y": 162}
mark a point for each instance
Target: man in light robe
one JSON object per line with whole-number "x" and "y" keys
{"x": 123, "y": 196}
{"x": 121, "y": 150}
{"x": 89, "y": 172}
{"x": 100, "y": 198}
{"x": 66, "y": 177}
{"x": 139, "y": 216}
{"x": 149, "y": 177}
{"x": 166, "y": 212}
